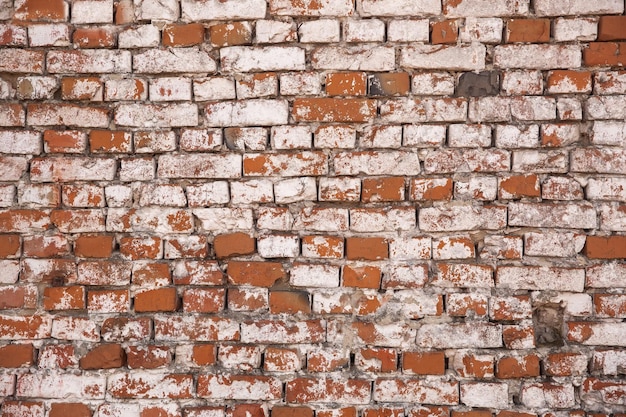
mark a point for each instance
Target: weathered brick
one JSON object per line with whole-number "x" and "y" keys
{"x": 465, "y": 217}
{"x": 199, "y": 166}
{"x": 428, "y": 391}
{"x": 543, "y": 56}
{"x": 21, "y": 61}
{"x": 547, "y": 8}
{"x": 193, "y": 10}
{"x": 462, "y": 58}
{"x": 569, "y": 216}
{"x": 360, "y": 58}
{"x": 541, "y": 278}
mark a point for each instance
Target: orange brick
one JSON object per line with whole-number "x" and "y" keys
{"x": 610, "y": 247}
{"x": 522, "y": 367}
{"x": 183, "y": 35}
{"x": 289, "y": 302}
{"x": 444, "y": 32}
{"x": 389, "y": 84}
{"x": 107, "y": 356}
{"x": 148, "y": 357}
{"x": 259, "y": 274}
{"x": 346, "y": 84}
{"x": 17, "y": 356}
{"x": 528, "y": 30}
{"x": 10, "y": 246}
{"x": 519, "y": 186}
{"x": 333, "y": 110}
{"x": 64, "y": 141}
{"x": 204, "y": 355}
{"x": 228, "y": 34}
{"x": 361, "y": 277}
{"x": 141, "y": 248}
{"x": 424, "y": 363}
{"x": 377, "y": 360}
{"x": 47, "y": 10}
{"x": 110, "y": 141}
{"x": 93, "y": 38}
{"x": 368, "y": 248}
{"x": 160, "y": 299}
{"x": 605, "y": 53}
{"x": 233, "y": 244}
{"x": 64, "y": 298}
{"x": 81, "y": 88}
{"x": 612, "y": 28}
{"x": 97, "y": 246}
{"x": 69, "y": 409}
{"x": 382, "y": 189}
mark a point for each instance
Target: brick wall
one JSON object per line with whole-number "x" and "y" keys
{"x": 298, "y": 208}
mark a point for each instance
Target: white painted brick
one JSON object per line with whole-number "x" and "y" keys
{"x": 408, "y": 30}
{"x": 248, "y": 113}
{"x": 275, "y": 31}
{"x": 377, "y": 163}
{"x": 408, "y": 248}
{"x": 487, "y": 8}
{"x": 606, "y": 107}
{"x": 459, "y": 335}
{"x": 423, "y": 136}
{"x": 335, "y": 137}
{"x": 339, "y": 189}
{"x": 205, "y": 194}
{"x": 366, "y": 30}
{"x": 514, "y": 136}
{"x": 214, "y": 88}
{"x": 319, "y": 31}
{"x": 167, "y": 10}
{"x": 485, "y": 394}
{"x": 490, "y": 109}
{"x": 266, "y": 58}
{"x": 118, "y": 196}
{"x": 381, "y": 136}
{"x": 200, "y": 140}
{"x": 125, "y": 89}
{"x": 540, "y": 161}
{"x": 143, "y": 36}
{"x": 295, "y": 189}
{"x": 162, "y": 195}
{"x": 550, "y": 396}
{"x": 252, "y": 138}
{"x": 291, "y": 137}
{"x": 406, "y": 110}
{"x": 278, "y": 246}
{"x": 170, "y": 89}
{"x": 540, "y": 278}
{"x": 89, "y": 61}
{"x": 52, "y": 34}
{"x": 569, "y": 108}
{"x": 463, "y": 58}
{"x": 481, "y": 29}
{"x": 300, "y": 83}
{"x": 356, "y": 58}
{"x": 611, "y": 133}
{"x": 14, "y": 35}
{"x": 256, "y": 85}
{"x": 480, "y": 188}
{"x": 322, "y": 219}
{"x": 533, "y": 108}
{"x": 387, "y": 219}
{"x": 461, "y": 136}
{"x": 454, "y": 247}
{"x": 154, "y": 142}
{"x": 568, "y": 216}
{"x": 398, "y": 7}
{"x": 20, "y": 142}
{"x": 459, "y": 218}
{"x": 199, "y": 166}
{"x": 194, "y": 10}
{"x": 137, "y": 169}
{"x": 577, "y": 29}
{"x": 61, "y": 385}
{"x": 252, "y": 191}
{"x": 157, "y": 115}
{"x": 515, "y": 83}
{"x": 273, "y": 218}
{"x": 613, "y": 217}
{"x": 216, "y": 219}
{"x": 156, "y": 61}
{"x": 578, "y": 7}
{"x": 608, "y": 275}
{"x": 321, "y": 8}
{"x": 92, "y": 11}
{"x": 314, "y": 275}
{"x": 552, "y": 243}
{"x": 434, "y": 391}
{"x": 541, "y": 57}
{"x": 606, "y": 188}
{"x": 610, "y": 82}
{"x": 433, "y": 83}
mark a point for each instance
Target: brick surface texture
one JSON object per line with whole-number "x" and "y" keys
{"x": 312, "y": 208}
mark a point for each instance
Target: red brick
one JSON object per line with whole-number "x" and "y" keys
{"x": 104, "y": 357}
{"x": 93, "y": 38}
{"x": 612, "y": 28}
{"x": 367, "y": 248}
{"x": 445, "y": 31}
{"x": 346, "y": 84}
{"x": 94, "y": 246}
{"x": 17, "y": 356}
{"x": 605, "y": 53}
{"x": 610, "y": 247}
{"x": 233, "y": 244}
{"x": 518, "y": 367}
{"x": 228, "y": 34}
{"x": 64, "y": 298}
{"x": 289, "y": 302}
{"x": 160, "y": 299}
{"x": 204, "y": 355}
{"x": 298, "y": 411}
{"x": 183, "y": 35}
{"x": 528, "y": 30}
{"x": 10, "y": 246}
{"x": 333, "y": 110}
{"x": 141, "y": 248}
{"x": 69, "y": 409}
{"x": 382, "y": 189}
{"x": 148, "y": 357}
{"x": 424, "y": 363}
{"x": 42, "y": 10}
{"x": 259, "y": 274}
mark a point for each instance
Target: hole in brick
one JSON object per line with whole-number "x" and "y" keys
{"x": 58, "y": 281}
{"x": 548, "y": 324}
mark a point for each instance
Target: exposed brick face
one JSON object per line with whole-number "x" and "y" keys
{"x": 329, "y": 208}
